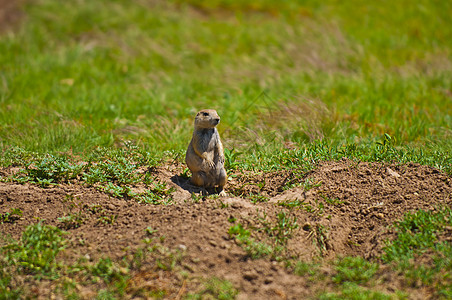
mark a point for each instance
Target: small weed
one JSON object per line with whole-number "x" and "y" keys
{"x": 354, "y": 269}
{"x": 222, "y": 204}
{"x": 231, "y": 159}
{"x": 76, "y": 215}
{"x": 243, "y": 238}
{"x": 157, "y": 193}
{"x": 278, "y": 236}
{"x": 216, "y": 288}
{"x": 37, "y": 250}
{"x": 282, "y": 230}
{"x": 299, "y": 204}
{"x": 256, "y": 198}
{"x": 104, "y": 294}
{"x": 114, "y": 169}
{"x": 68, "y": 288}
{"x": 106, "y": 270}
{"x": 12, "y": 216}
{"x": 295, "y": 178}
{"x": 196, "y": 198}
{"x": 291, "y": 203}
{"x": 185, "y": 173}
{"x": 148, "y": 197}
{"x": 95, "y": 208}
{"x": 107, "y": 219}
{"x": 320, "y": 207}
{"x": 332, "y": 201}
{"x": 320, "y": 238}
{"x": 239, "y": 232}
{"x": 116, "y": 190}
{"x": 150, "y": 231}
{"x": 310, "y": 183}
{"x": 302, "y": 268}
{"x": 256, "y": 249}
{"x": 44, "y": 182}
{"x": 48, "y": 170}
{"x": 168, "y": 259}
{"x": 351, "y": 291}
{"x": 72, "y": 220}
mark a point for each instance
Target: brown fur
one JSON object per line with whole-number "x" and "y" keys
{"x": 205, "y": 155}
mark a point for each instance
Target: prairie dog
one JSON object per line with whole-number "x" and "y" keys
{"x": 205, "y": 155}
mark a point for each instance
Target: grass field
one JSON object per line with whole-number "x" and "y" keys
{"x": 117, "y": 84}
{"x": 98, "y": 73}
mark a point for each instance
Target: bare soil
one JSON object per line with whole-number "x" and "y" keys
{"x": 354, "y": 202}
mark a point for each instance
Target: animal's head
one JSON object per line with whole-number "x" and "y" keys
{"x": 207, "y": 118}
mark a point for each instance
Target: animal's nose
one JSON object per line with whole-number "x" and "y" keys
{"x": 217, "y": 120}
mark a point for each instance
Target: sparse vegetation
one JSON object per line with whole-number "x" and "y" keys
{"x": 10, "y": 217}
{"x": 36, "y": 257}
{"x": 36, "y": 252}
{"x": 354, "y": 269}
{"x": 417, "y": 238}
{"x": 276, "y": 235}
{"x": 355, "y": 292}
{"x": 216, "y": 288}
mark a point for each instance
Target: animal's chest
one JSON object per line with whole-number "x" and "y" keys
{"x": 207, "y": 140}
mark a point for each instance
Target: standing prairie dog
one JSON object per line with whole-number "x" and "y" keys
{"x": 205, "y": 155}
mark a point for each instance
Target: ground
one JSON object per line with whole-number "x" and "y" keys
{"x": 270, "y": 222}
{"x": 354, "y": 202}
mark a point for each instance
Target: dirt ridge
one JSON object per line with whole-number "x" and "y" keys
{"x": 354, "y": 202}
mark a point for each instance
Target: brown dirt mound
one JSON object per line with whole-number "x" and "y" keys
{"x": 346, "y": 211}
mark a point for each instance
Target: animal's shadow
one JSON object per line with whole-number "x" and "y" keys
{"x": 185, "y": 184}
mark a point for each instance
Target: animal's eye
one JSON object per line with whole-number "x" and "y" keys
{"x": 205, "y": 114}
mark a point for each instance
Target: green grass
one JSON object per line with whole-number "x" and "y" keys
{"x": 113, "y": 171}
{"x": 355, "y": 292}
{"x": 216, "y": 288}
{"x": 106, "y": 73}
{"x": 268, "y": 238}
{"x": 419, "y": 253}
{"x": 12, "y": 216}
{"x": 36, "y": 252}
{"x": 354, "y": 269}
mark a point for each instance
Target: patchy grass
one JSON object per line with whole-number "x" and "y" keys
{"x": 354, "y": 269}
{"x": 36, "y": 257}
{"x": 216, "y": 288}
{"x": 113, "y": 171}
{"x": 36, "y": 253}
{"x": 421, "y": 251}
{"x": 10, "y": 217}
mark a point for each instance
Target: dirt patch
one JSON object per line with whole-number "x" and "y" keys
{"x": 10, "y": 13}
{"x": 346, "y": 211}
{"x": 356, "y": 202}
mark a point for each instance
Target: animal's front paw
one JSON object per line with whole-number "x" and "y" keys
{"x": 210, "y": 164}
